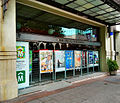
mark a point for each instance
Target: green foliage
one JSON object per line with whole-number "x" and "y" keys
{"x": 112, "y": 65}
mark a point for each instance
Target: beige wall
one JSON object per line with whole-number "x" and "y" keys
{"x": 8, "y": 82}
{"x": 102, "y": 36}
{"x": 117, "y": 37}
{"x": 108, "y": 51}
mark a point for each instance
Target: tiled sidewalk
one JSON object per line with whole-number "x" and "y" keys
{"x": 56, "y": 87}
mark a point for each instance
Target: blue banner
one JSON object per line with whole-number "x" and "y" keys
{"x": 90, "y": 57}
{"x": 69, "y": 58}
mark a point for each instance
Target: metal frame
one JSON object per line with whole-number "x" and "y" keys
{"x": 64, "y": 7}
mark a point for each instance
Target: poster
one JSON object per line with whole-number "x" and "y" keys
{"x": 90, "y": 57}
{"x": 83, "y": 58}
{"x": 22, "y": 64}
{"x": 96, "y": 57}
{"x": 77, "y": 58}
{"x": 46, "y": 61}
{"x": 59, "y": 60}
{"x": 69, "y": 58}
{"x": 30, "y": 61}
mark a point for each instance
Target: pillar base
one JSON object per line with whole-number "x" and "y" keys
{"x": 8, "y": 90}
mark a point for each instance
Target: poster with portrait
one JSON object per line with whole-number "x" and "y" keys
{"x": 69, "y": 58}
{"x": 90, "y": 58}
{"x": 77, "y": 55}
{"x": 96, "y": 57}
{"x": 46, "y": 61}
{"x": 22, "y": 64}
{"x": 59, "y": 60}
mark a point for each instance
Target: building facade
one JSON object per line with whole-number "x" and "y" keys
{"x": 13, "y": 13}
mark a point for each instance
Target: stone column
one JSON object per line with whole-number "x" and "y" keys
{"x": 102, "y": 37}
{"x": 8, "y": 82}
{"x": 112, "y": 44}
{"x": 108, "y": 52}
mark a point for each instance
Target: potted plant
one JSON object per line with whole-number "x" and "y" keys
{"x": 112, "y": 66}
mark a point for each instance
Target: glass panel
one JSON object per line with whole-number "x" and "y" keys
{"x": 81, "y": 2}
{"x": 108, "y": 20}
{"x": 88, "y": 12}
{"x": 109, "y": 9}
{"x": 95, "y": 9}
{"x": 89, "y": 0}
{"x": 99, "y": 17}
{"x": 101, "y": 12}
{"x": 93, "y": 14}
{"x": 117, "y": 18}
{"x": 110, "y": 16}
{"x": 116, "y": 12}
{"x": 62, "y": 1}
{"x": 112, "y": 21}
{"x": 88, "y": 5}
{"x": 104, "y": 6}
{"x": 96, "y": 2}
{"x": 72, "y": 5}
{"x": 117, "y": 15}
{"x": 106, "y": 15}
{"x": 80, "y": 9}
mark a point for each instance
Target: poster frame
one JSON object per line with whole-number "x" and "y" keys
{"x": 40, "y": 74}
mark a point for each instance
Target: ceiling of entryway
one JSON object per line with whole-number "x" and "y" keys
{"x": 104, "y": 11}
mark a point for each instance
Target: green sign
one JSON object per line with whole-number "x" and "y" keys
{"x": 20, "y": 76}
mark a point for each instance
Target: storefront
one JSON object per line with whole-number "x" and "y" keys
{"x": 70, "y": 43}
{"x": 55, "y": 48}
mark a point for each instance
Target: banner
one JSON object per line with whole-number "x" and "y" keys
{"x": 90, "y": 57}
{"x": 30, "y": 61}
{"x": 22, "y": 64}
{"x": 96, "y": 57}
{"x": 77, "y": 58}
{"x": 69, "y": 58}
{"x": 46, "y": 61}
{"x": 59, "y": 61}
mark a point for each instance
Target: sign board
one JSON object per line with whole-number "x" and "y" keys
{"x": 69, "y": 59}
{"x": 59, "y": 60}
{"x": 30, "y": 61}
{"x": 22, "y": 64}
{"x": 77, "y": 55}
{"x": 90, "y": 57}
{"x": 46, "y": 61}
{"x": 96, "y": 57}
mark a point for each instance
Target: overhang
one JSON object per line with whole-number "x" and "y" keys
{"x": 104, "y": 11}
{"x": 68, "y": 19}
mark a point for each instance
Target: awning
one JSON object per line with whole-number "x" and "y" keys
{"x": 104, "y": 11}
{"x": 27, "y": 15}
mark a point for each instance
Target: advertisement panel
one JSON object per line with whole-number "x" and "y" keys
{"x": 69, "y": 59}
{"x": 96, "y": 57}
{"x": 84, "y": 58}
{"x": 30, "y": 61}
{"x": 46, "y": 61}
{"x": 22, "y": 64}
{"x": 59, "y": 61}
{"x": 90, "y": 58}
{"x": 77, "y": 55}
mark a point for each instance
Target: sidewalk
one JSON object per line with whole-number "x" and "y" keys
{"x": 42, "y": 91}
